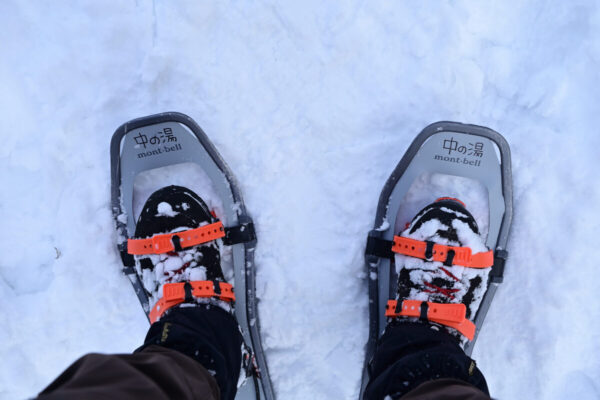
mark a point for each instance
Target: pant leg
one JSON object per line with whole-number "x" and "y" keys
{"x": 410, "y": 354}
{"x": 192, "y": 352}
{"x": 209, "y": 335}
{"x": 154, "y": 373}
{"x": 445, "y": 389}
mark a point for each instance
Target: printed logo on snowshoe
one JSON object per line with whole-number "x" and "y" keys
{"x": 458, "y": 152}
{"x": 161, "y": 142}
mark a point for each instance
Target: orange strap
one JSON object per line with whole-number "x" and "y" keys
{"x": 159, "y": 244}
{"x": 175, "y": 293}
{"x": 452, "y": 315}
{"x": 440, "y": 252}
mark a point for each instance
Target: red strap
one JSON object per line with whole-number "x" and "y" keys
{"x": 451, "y": 198}
{"x": 174, "y": 294}
{"x": 462, "y": 255}
{"x": 452, "y": 315}
{"x": 159, "y": 244}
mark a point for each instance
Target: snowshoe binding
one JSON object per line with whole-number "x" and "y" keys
{"x": 176, "y": 244}
{"x": 443, "y": 267}
{"x": 437, "y": 273}
{"x": 189, "y": 239}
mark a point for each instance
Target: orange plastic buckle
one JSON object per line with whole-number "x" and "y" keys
{"x": 163, "y": 243}
{"x": 174, "y": 294}
{"x": 451, "y": 315}
{"x": 462, "y": 255}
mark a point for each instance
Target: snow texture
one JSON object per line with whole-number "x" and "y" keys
{"x": 311, "y": 104}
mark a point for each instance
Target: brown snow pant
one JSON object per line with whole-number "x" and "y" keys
{"x": 445, "y": 389}
{"x": 156, "y": 373}
{"x": 160, "y": 373}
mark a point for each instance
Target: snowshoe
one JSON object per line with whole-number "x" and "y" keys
{"x": 207, "y": 231}
{"x": 443, "y": 266}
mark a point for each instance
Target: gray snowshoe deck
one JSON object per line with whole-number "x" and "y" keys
{"x": 172, "y": 138}
{"x": 449, "y": 148}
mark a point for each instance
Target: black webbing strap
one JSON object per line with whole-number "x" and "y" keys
{"x": 497, "y": 274}
{"x": 176, "y": 243}
{"x": 424, "y": 310}
{"x": 449, "y": 258}
{"x": 379, "y": 247}
{"x": 187, "y": 289}
{"x": 429, "y": 250}
{"x": 243, "y": 233}
{"x": 217, "y": 288}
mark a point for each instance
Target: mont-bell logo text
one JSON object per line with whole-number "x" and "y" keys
{"x": 161, "y": 142}
{"x": 461, "y": 153}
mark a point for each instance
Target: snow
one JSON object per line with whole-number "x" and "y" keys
{"x": 311, "y": 104}
{"x": 186, "y": 174}
{"x": 164, "y": 209}
{"x": 430, "y": 186}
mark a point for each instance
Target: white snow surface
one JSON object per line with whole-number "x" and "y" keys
{"x": 311, "y": 104}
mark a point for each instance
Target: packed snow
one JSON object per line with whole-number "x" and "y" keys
{"x": 311, "y": 104}
{"x": 164, "y": 209}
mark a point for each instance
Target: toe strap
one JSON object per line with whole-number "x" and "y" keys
{"x": 164, "y": 243}
{"x": 449, "y": 255}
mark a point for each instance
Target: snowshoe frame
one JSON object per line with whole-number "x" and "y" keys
{"x": 423, "y": 155}
{"x": 191, "y": 145}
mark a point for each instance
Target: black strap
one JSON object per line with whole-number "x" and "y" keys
{"x": 243, "y": 233}
{"x": 424, "y": 310}
{"x": 379, "y": 247}
{"x": 187, "y": 288}
{"x": 429, "y": 250}
{"x": 217, "y": 288}
{"x": 449, "y": 258}
{"x": 497, "y": 274}
{"x": 176, "y": 243}
{"x": 398, "y": 309}
{"x": 146, "y": 263}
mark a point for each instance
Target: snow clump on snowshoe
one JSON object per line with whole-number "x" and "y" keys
{"x": 444, "y": 222}
{"x": 175, "y": 209}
